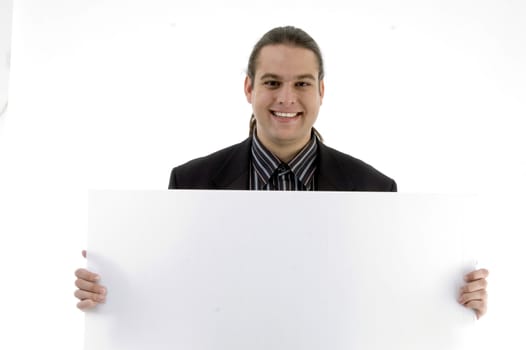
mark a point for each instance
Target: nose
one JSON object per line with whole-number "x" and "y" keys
{"x": 286, "y": 95}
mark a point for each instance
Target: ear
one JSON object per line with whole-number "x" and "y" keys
{"x": 322, "y": 90}
{"x": 248, "y": 89}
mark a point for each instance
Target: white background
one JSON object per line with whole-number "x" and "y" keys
{"x": 113, "y": 94}
{"x": 6, "y": 7}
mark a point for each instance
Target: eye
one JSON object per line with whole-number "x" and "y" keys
{"x": 303, "y": 84}
{"x": 272, "y": 83}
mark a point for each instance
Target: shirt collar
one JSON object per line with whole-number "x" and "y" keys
{"x": 302, "y": 165}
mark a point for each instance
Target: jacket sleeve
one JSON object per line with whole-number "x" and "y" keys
{"x": 172, "y": 185}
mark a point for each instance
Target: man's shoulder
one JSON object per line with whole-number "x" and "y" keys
{"x": 199, "y": 173}
{"x": 360, "y": 174}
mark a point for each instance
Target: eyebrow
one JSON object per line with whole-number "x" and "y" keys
{"x": 299, "y": 77}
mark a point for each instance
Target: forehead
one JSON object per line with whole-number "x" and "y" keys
{"x": 286, "y": 61}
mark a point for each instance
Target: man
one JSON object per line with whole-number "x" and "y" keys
{"x": 284, "y": 151}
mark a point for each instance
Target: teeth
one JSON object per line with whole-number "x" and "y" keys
{"x": 285, "y": 115}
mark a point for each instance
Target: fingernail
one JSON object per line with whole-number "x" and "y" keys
{"x": 97, "y": 278}
{"x": 103, "y": 291}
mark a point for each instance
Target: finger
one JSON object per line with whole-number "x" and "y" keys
{"x": 84, "y": 253}
{"x": 474, "y": 286}
{"x": 478, "y": 306}
{"x": 86, "y": 304}
{"x": 477, "y": 274}
{"x": 480, "y": 295}
{"x": 83, "y": 295}
{"x": 90, "y": 287}
{"x": 87, "y": 275}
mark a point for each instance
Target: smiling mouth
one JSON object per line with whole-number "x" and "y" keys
{"x": 286, "y": 115}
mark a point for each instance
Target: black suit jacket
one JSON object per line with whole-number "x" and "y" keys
{"x": 228, "y": 169}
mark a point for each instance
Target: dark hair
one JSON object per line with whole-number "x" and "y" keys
{"x": 291, "y": 36}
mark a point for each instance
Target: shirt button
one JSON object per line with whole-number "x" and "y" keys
{"x": 282, "y": 168}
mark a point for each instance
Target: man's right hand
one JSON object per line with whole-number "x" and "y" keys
{"x": 89, "y": 292}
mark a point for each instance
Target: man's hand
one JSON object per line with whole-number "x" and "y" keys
{"x": 473, "y": 294}
{"x": 89, "y": 292}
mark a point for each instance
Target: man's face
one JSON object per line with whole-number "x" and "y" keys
{"x": 286, "y": 95}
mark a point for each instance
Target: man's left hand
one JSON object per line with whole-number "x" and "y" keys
{"x": 473, "y": 294}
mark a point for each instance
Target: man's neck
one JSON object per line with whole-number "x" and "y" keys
{"x": 285, "y": 151}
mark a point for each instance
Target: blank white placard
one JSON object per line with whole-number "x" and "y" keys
{"x": 279, "y": 270}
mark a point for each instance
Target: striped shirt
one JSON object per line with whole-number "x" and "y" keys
{"x": 269, "y": 173}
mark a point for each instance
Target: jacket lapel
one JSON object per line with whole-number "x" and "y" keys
{"x": 331, "y": 176}
{"x": 233, "y": 175}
